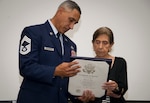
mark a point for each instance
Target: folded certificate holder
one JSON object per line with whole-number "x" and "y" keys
{"x": 94, "y": 73}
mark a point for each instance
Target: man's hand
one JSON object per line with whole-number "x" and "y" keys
{"x": 67, "y": 69}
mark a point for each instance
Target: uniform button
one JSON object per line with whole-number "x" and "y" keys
{"x": 60, "y": 88}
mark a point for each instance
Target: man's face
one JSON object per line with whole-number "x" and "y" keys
{"x": 68, "y": 18}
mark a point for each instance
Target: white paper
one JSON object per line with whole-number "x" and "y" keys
{"x": 92, "y": 76}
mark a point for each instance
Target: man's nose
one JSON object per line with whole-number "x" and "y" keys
{"x": 71, "y": 26}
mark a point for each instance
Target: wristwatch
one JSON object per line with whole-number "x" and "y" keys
{"x": 117, "y": 90}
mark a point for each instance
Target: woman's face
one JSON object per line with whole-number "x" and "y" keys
{"x": 102, "y": 46}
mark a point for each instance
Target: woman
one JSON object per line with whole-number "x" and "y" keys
{"x": 117, "y": 85}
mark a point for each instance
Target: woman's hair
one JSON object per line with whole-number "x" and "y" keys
{"x": 104, "y": 30}
{"x": 71, "y": 5}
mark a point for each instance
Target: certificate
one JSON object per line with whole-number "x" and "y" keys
{"x": 93, "y": 75}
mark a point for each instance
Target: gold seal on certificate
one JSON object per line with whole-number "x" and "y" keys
{"x": 93, "y": 74}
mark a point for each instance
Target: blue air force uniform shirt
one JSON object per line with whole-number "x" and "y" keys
{"x": 39, "y": 54}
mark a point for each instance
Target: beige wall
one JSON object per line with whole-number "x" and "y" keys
{"x": 129, "y": 20}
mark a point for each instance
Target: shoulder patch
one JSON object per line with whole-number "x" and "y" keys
{"x": 25, "y": 46}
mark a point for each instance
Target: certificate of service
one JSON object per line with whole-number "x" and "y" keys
{"x": 93, "y": 74}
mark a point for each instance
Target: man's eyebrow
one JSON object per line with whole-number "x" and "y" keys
{"x": 71, "y": 18}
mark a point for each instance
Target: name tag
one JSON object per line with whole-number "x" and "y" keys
{"x": 48, "y": 49}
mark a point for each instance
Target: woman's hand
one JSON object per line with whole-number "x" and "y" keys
{"x": 110, "y": 86}
{"x": 87, "y": 96}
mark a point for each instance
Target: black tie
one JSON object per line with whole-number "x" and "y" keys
{"x": 61, "y": 42}
{"x": 58, "y": 35}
